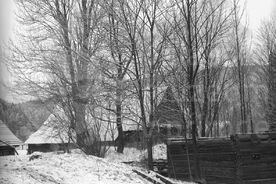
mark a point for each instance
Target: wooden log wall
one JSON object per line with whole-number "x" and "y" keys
{"x": 6, "y": 150}
{"x": 257, "y": 157}
{"x": 237, "y": 160}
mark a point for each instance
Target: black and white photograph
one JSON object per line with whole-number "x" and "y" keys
{"x": 137, "y": 91}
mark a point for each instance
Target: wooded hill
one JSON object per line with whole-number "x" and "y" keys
{"x": 24, "y": 118}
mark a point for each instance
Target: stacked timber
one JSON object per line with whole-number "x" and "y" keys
{"x": 256, "y": 155}
{"x": 243, "y": 158}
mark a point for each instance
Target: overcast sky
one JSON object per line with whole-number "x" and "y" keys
{"x": 256, "y": 10}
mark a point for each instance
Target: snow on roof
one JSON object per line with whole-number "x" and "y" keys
{"x": 54, "y": 130}
{"x": 7, "y": 136}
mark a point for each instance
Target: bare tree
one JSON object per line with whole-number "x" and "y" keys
{"x": 61, "y": 44}
{"x": 116, "y": 64}
{"x": 214, "y": 30}
{"x": 265, "y": 60}
{"x": 198, "y": 27}
{"x": 240, "y": 50}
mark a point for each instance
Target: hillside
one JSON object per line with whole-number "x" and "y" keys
{"x": 24, "y": 118}
{"x": 36, "y": 111}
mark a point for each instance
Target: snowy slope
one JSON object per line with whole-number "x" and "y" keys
{"x": 72, "y": 168}
{"x": 64, "y": 169}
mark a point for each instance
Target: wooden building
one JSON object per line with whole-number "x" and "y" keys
{"x": 168, "y": 117}
{"x": 51, "y": 136}
{"x": 241, "y": 159}
{"x": 8, "y": 141}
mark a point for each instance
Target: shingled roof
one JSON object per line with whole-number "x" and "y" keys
{"x": 7, "y": 137}
{"x": 168, "y": 110}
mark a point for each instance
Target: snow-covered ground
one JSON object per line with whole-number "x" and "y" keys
{"x": 133, "y": 154}
{"x": 74, "y": 168}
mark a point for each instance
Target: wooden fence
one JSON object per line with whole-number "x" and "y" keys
{"x": 240, "y": 159}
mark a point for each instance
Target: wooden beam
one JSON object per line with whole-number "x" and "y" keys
{"x": 147, "y": 177}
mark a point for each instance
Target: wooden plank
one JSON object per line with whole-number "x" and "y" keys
{"x": 262, "y": 181}
{"x": 222, "y": 164}
{"x": 202, "y": 148}
{"x": 258, "y": 173}
{"x": 163, "y": 179}
{"x": 227, "y": 173}
{"x": 147, "y": 177}
{"x": 258, "y": 162}
{"x": 215, "y": 164}
{"x": 216, "y": 179}
{"x": 265, "y": 148}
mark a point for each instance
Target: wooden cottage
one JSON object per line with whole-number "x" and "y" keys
{"x": 168, "y": 116}
{"x": 241, "y": 159}
{"x": 8, "y": 141}
{"x": 51, "y": 136}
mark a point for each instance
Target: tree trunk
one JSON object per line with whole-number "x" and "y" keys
{"x": 120, "y": 148}
{"x": 191, "y": 90}
{"x": 146, "y": 133}
{"x": 206, "y": 82}
{"x": 151, "y": 86}
{"x": 193, "y": 115}
{"x": 240, "y": 72}
{"x": 149, "y": 148}
{"x": 81, "y": 132}
{"x": 271, "y": 112}
{"x": 82, "y": 82}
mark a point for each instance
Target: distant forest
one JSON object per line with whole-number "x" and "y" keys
{"x": 24, "y": 118}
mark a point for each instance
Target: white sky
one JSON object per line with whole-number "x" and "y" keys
{"x": 256, "y": 10}
{"x": 6, "y": 21}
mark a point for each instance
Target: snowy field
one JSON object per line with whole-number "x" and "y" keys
{"x": 74, "y": 168}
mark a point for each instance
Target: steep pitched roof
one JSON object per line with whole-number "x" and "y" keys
{"x": 53, "y": 130}
{"x": 7, "y": 136}
{"x": 168, "y": 110}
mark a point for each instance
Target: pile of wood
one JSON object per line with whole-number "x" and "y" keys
{"x": 243, "y": 158}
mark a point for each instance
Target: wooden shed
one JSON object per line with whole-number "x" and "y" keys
{"x": 8, "y": 141}
{"x": 240, "y": 159}
{"x": 51, "y": 136}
